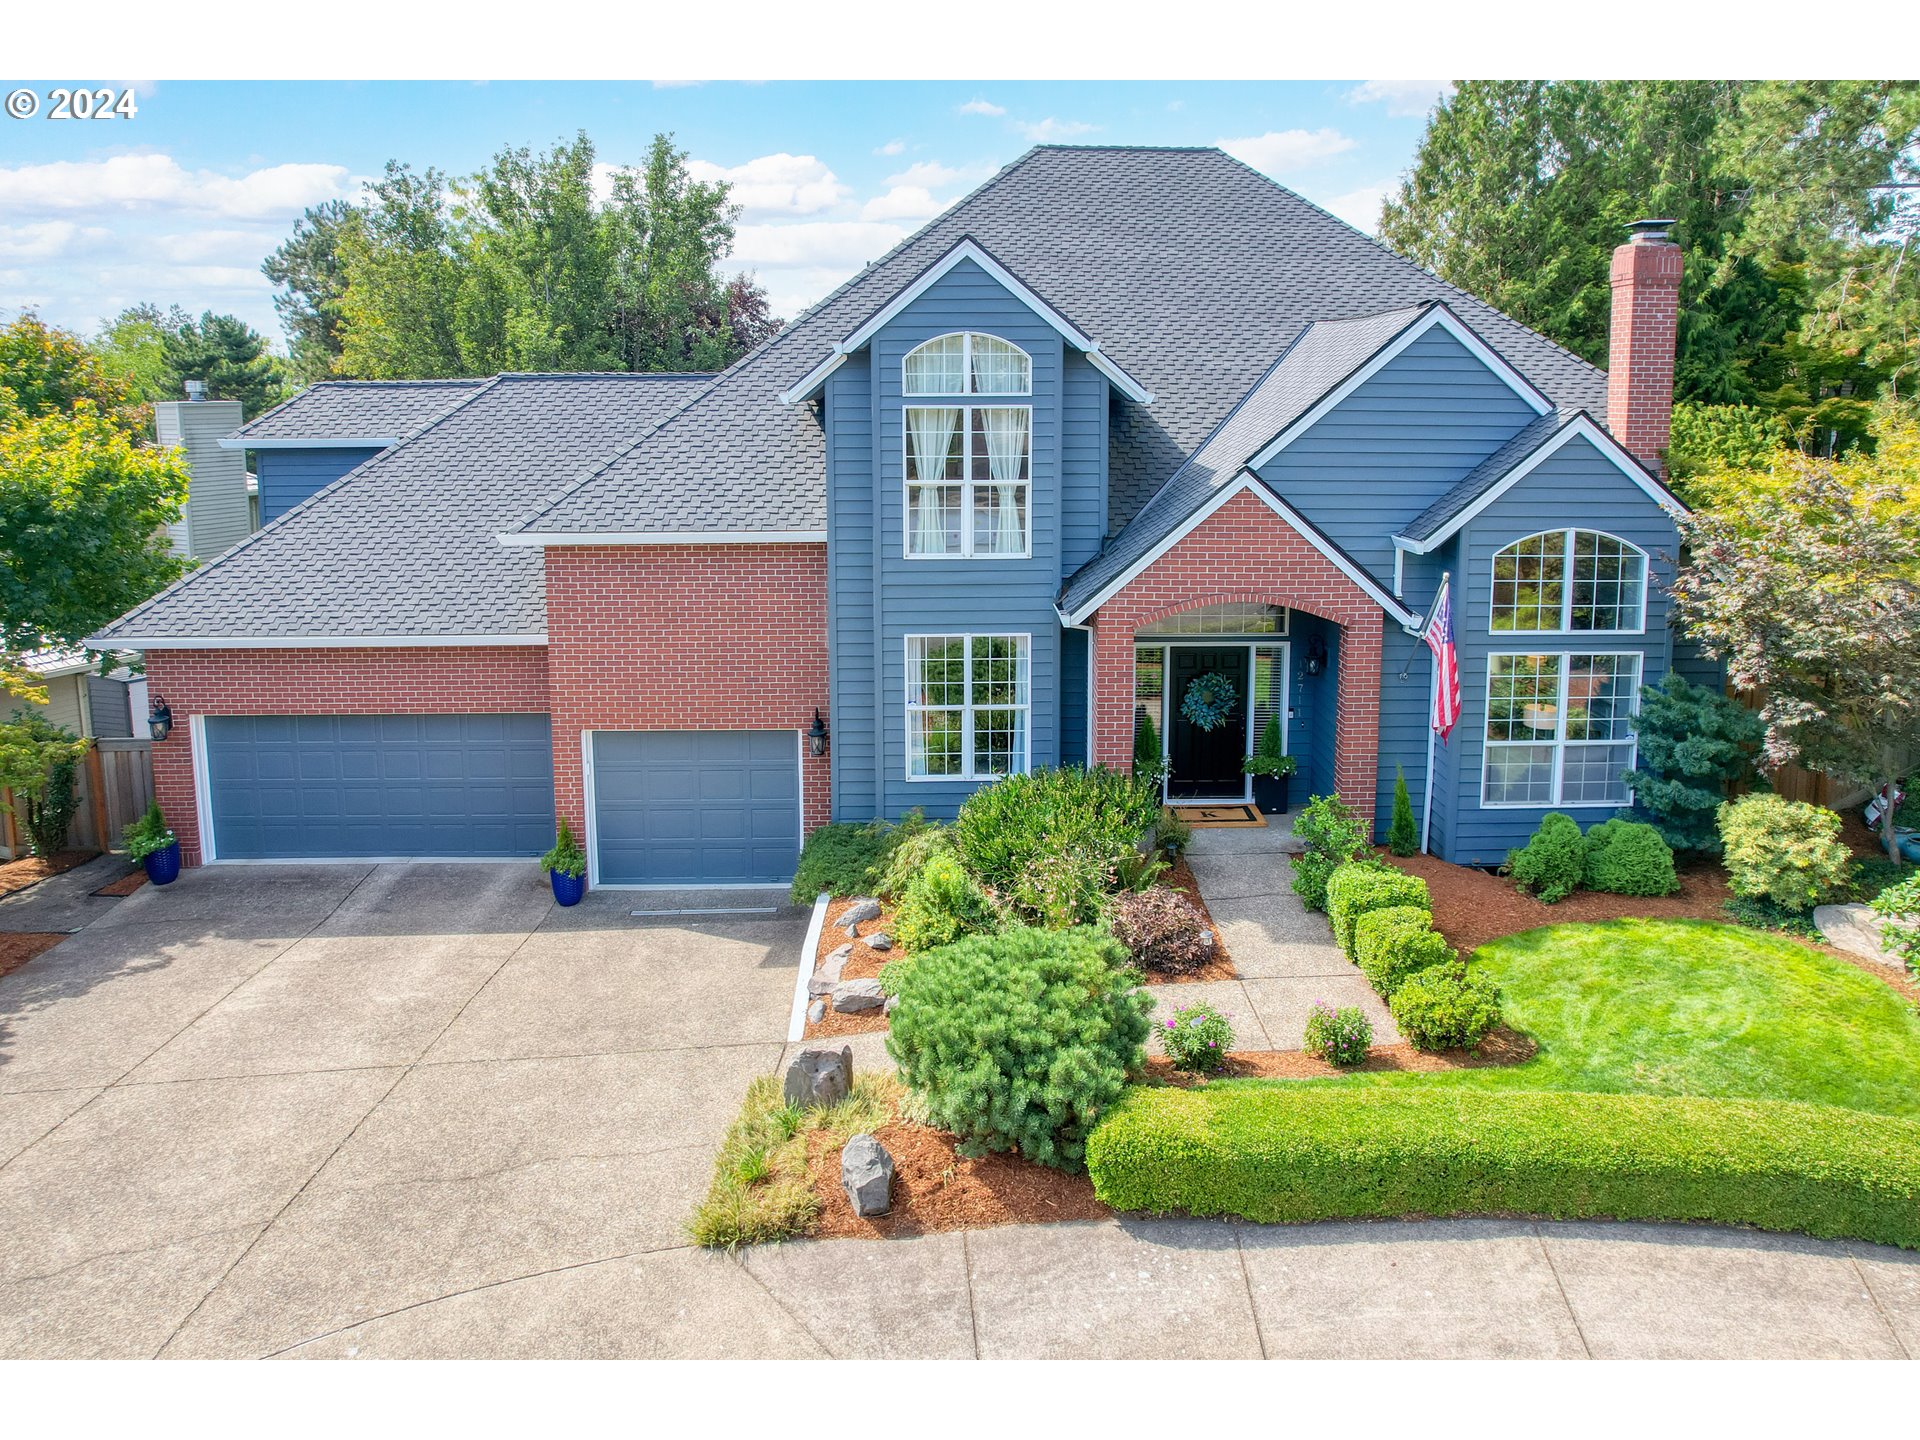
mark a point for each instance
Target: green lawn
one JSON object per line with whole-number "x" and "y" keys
{"x": 1668, "y": 1007}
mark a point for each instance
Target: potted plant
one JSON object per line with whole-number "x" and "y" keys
{"x": 151, "y": 843}
{"x": 1269, "y": 769}
{"x": 566, "y": 866}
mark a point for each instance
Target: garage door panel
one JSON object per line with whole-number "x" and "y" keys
{"x": 696, "y": 807}
{"x": 347, "y": 786}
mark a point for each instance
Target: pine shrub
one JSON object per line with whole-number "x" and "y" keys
{"x": 1446, "y": 1007}
{"x": 1019, "y": 1041}
{"x": 1696, "y": 746}
{"x": 845, "y": 858}
{"x": 1625, "y": 857}
{"x": 1333, "y": 835}
{"x": 1162, "y": 931}
{"x": 1783, "y": 851}
{"x": 1392, "y": 944}
{"x": 1553, "y": 862}
{"x": 1402, "y": 838}
{"x": 1361, "y": 886}
{"x": 941, "y": 904}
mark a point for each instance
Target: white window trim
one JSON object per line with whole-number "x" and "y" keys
{"x": 1566, "y": 588}
{"x": 1559, "y": 742}
{"x": 967, "y": 775}
{"x": 966, "y": 407}
{"x": 967, "y": 338}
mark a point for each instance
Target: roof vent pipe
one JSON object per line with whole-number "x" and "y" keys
{"x": 196, "y": 389}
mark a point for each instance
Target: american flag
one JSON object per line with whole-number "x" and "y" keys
{"x": 1439, "y": 637}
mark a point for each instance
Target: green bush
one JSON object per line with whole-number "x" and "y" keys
{"x": 1283, "y": 1152}
{"x": 1625, "y": 857}
{"x": 1197, "y": 1037}
{"x": 1783, "y": 851}
{"x": 148, "y": 835}
{"x": 1363, "y": 885}
{"x": 1171, "y": 833}
{"x": 910, "y": 855}
{"x": 1696, "y": 747}
{"x": 1392, "y": 944}
{"x": 844, "y": 858}
{"x": 1043, "y": 833}
{"x": 1020, "y": 1040}
{"x": 1447, "y": 1007}
{"x": 1340, "y": 1037}
{"x": 1553, "y": 862}
{"x": 1333, "y": 835}
{"x": 1898, "y": 907}
{"x": 941, "y": 904}
{"x": 1149, "y": 763}
{"x": 566, "y": 857}
{"x": 1402, "y": 837}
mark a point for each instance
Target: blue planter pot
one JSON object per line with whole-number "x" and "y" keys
{"x": 1910, "y": 847}
{"x": 567, "y": 889}
{"x": 163, "y": 866}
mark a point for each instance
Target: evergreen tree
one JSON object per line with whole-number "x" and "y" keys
{"x": 1402, "y": 837}
{"x": 230, "y": 357}
{"x": 310, "y": 278}
{"x": 1696, "y": 747}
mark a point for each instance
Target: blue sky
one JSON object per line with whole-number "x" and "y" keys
{"x": 179, "y": 204}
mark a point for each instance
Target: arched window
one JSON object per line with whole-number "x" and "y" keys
{"x": 1570, "y": 580}
{"x": 967, "y": 364}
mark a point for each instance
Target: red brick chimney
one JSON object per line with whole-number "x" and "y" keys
{"x": 1646, "y": 323}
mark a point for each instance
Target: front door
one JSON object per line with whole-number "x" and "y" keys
{"x": 1205, "y": 764}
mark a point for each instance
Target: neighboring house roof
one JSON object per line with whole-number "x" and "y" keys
{"x": 52, "y": 664}
{"x": 1193, "y": 270}
{"x": 1487, "y": 481}
{"x": 402, "y": 549}
{"x": 352, "y": 412}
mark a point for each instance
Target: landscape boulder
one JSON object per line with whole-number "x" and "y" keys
{"x": 866, "y": 1173}
{"x": 850, "y": 997}
{"x": 826, "y": 974}
{"x": 879, "y": 940}
{"x": 820, "y": 1077}
{"x": 857, "y": 914}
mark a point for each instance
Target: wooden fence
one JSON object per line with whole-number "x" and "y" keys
{"x": 114, "y": 786}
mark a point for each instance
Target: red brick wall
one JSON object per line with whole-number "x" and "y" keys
{"x": 685, "y": 637}
{"x": 1245, "y": 553}
{"x": 1645, "y": 331}
{"x": 497, "y": 679}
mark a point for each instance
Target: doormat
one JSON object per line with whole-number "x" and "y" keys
{"x": 1222, "y": 817}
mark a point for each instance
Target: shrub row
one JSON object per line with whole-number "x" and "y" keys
{"x": 1271, "y": 1152}
{"x": 1621, "y": 857}
{"x": 1365, "y": 885}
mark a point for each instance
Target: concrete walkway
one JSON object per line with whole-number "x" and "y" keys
{"x": 64, "y": 902}
{"x": 1284, "y": 952}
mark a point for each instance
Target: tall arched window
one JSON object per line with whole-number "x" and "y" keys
{"x": 1570, "y": 580}
{"x": 967, "y": 364}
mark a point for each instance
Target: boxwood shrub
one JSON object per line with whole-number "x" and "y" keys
{"x": 1445, "y": 1008}
{"x": 1280, "y": 1152}
{"x": 1553, "y": 863}
{"x": 1626, "y": 857}
{"x": 1363, "y": 885}
{"x": 1392, "y": 944}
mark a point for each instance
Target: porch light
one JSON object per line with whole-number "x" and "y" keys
{"x": 1316, "y": 660}
{"x": 159, "y": 718}
{"x": 817, "y": 735}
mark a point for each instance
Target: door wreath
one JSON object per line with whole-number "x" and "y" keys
{"x": 1210, "y": 700}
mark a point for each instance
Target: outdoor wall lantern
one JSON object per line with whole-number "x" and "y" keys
{"x": 1316, "y": 656}
{"x": 159, "y": 718}
{"x": 817, "y": 735}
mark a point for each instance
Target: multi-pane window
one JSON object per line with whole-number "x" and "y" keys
{"x": 1559, "y": 729}
{"x": 967, "y": 364}
{"x": 1569, "y": 580}
{"x": 969, "y": 473}
{"x": 966, "y": 706}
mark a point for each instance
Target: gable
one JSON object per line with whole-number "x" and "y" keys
{"x": 1578, "y": 486}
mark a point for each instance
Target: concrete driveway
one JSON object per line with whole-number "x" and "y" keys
{"x": 417, "y": 1110}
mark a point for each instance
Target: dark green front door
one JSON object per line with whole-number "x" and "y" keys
{"x": 1206, "y": 763}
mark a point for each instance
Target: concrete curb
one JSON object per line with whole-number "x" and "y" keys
{"x": 797, "y": 1018}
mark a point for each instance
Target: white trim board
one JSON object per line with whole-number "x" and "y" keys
{"x": 360, "y": 442}
{"x": 1245, "y": 483}
{"x": 1581, "y": 425}
{"x": 1439, "y": 316}
{"x": 663, "y": 537}
{"x": 322, "y": 642}
{"x": 968, "y": 249}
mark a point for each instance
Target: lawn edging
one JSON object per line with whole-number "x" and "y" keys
{"x": 1274, "y": 1151}
{"x": 797, "y": 1016}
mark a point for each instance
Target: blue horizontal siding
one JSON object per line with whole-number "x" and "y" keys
{"x": 289, "y": 476}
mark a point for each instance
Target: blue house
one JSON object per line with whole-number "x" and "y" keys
{"x": 1122, "y": 421}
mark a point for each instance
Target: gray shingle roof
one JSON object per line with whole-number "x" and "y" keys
{"x": 1487, "y": 474}
{"x": 359, "y": 410}
{"x": 406, "y": 543}
{"x": 1192, "y": 270}
{"x": 1326, "y": 353}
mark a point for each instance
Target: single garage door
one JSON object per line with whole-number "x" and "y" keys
{"x": 697, "y": 807}
{"x": 286, "y": 787}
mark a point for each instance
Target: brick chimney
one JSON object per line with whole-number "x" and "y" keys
{"x": 1640, "y": 349}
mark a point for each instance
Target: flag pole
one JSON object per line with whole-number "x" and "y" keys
{"x": 1433, "y": 700}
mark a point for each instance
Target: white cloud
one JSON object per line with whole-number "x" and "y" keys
{"x": 978, "y": 106}
{"x": 193, "y": 247}
{"x": 158, "y": 182}
{"x": 1043, "y": 132}
{"x": 892, "y": 147}
{"x": 49, "y": 240}
{"x": 1361, "y": 208}
{"x": 1279, "y": 151}
{"x": 1401, "y": 97}
{"x": 933, "y": 175}
{"x": 779, "y": 184}
{"x": 842, "y": 245}
{"x": 903, "y": 202}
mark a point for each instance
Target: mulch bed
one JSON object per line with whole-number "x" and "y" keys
{"x": 17, "y": 948}
{"x": 863, "y": 964}
{"x": 32, "y": 869}
{"x": 1180, "y": 877}
{"x": 1501, "y": 1046}
{"x": 936, "y": 1188}
{"x": 125, "y": 885}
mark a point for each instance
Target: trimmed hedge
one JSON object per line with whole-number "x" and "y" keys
{"x": 1625, "y": 857}
{"x": 1364, "y": 885}
{"x": 1392, "y": 945}
{"x": 1276, "y": 1151}
{"x": 1446, "y": 1007}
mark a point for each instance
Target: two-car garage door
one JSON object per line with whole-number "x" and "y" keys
{"x": 667, "y": 807}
